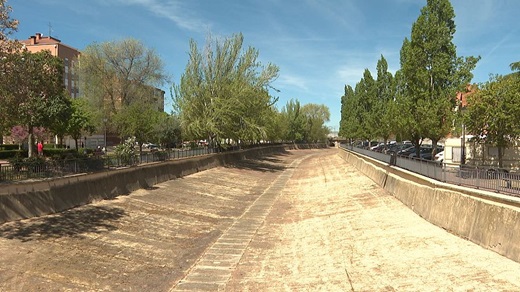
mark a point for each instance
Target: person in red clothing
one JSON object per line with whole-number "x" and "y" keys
{"x": 40, "y": 148}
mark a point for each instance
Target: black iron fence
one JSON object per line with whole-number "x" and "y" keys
{"x": 493, "y": 179}
{"x": 40, "y": 169}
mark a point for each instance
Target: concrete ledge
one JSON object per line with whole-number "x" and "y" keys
{"x": 488, "y": 219}
{"x": 33, "y": 199}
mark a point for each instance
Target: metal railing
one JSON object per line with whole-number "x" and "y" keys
{"x": 99, "y": 162}
{"x": 57, "y": 168}
{"x": 476, "y": 177}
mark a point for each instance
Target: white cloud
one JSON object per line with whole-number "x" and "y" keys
{"x": 175, "y": 11}
{"x": 289, "y": 81}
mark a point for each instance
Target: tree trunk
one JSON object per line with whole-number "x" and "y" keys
{"x": 30, "y": 143}
{"x": 500, "y": 156}
{"x": 417, "y": 143}
{"x": 434, "y": 146}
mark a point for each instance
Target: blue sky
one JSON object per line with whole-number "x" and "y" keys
{"x": 319, "y": 45}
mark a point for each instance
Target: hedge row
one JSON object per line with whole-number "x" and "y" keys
{"x": 7, "y": 154}
{"x": 9, "y": 147}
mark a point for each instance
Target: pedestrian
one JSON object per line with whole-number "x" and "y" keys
{"x": 40, "y": 148}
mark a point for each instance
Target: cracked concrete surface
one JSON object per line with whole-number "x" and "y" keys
{"x": 299, "y": 221}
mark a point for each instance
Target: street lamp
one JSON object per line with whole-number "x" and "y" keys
{"x": 105, "y": 125}
{"x": 463, "y": 138}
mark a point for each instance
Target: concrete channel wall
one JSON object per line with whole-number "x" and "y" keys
{"x": 489, "y": 219}
{"x": 33, "y": 199}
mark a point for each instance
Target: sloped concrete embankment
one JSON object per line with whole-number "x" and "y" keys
{"x": 489, "y": 219}
{"x": 33, "y": 199}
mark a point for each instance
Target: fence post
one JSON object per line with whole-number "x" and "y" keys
{"x": 393, "y": 158}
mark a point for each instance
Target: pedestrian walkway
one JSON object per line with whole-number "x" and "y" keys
{"x": 214, "y": 268}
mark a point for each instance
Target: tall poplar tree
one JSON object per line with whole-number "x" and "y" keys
{"x": 366, "y": 92}
{"x": 350, "y": 124}
{"x": 383, "y": 118}
{"x": 433, "y": 73}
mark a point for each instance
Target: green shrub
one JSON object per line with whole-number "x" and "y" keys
{"x": 32, "y": 164}
{"x": 60, "y": 153}
{"x": 160, "y": 155}
{"x": 9, "y": 147}
{"x": 126, "y": 152}
{"x": 94, "y": 164}
{"x": 86, "y": 151}
{"x": 7, "y": 154}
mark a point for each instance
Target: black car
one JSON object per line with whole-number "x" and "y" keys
{"x": 407, "y": 151}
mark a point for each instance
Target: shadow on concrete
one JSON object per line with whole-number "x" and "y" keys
{"x": 71, "y": 223}
{"x": 264, "y": 164}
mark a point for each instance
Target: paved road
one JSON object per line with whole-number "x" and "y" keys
{"x": 301, "y": 221}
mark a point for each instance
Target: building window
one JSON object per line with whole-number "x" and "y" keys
{"x": 456, "y": 154}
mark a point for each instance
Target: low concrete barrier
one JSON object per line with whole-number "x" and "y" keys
{"x": 33, "y": 199}
{"x": 485, "y": 218}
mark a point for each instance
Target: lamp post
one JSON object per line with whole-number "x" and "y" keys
{"x": 463, "y": 145}
{"x": 105, "y": 126}
{"x": 463, "y": 138}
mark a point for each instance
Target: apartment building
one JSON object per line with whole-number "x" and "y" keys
{"x": 68, "y": 54}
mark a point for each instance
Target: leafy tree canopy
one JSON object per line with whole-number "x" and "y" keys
{"x": 224, "y": 92}
{"x": 115, "y": 74}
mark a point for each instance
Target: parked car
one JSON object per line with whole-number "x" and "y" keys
{"x": 497, "y": 173}
{"x": 423, "y": 153}
{"x": 406, "y": 151}
{"x": 395, "y": 148}
{"x": 152, "y": 146}
{"x": 383, "y": 148}
{"x": 439, "y": 157}
{"x": 374, "y": 145}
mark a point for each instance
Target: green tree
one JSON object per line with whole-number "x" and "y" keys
{"x": 7, "y": 24}
{"x": 433, "y": 72}
{"x": 315, "y": 116}
{"x": 365, "y": 92}
{"x": 515, "y": 66}
{"x": 383, "y": 115}
{"x": 351, "y": 126}
{"x": 167, "y": 131}
{"x": 501, "y": 125}
{"x": 7, "y": 27}
{"x": 34, "y": 83}
{"x": 115, "y": 74}
{"x": 80, "y": 121}
{"x": 139, "y": 120}
{"x": 275, "y": 127}
{"x": 293, "y": 118}
{"x": 223, "y": 92}
{"x": 62, "y": 111}
{"x": 409, "y": 119}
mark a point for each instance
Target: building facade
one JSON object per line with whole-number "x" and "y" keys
{"x": 68, "y": 54}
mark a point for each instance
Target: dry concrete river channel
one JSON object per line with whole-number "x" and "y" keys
{"x": 302, "y": 220}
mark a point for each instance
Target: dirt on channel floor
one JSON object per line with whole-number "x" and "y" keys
{"x": 302, "y": 220}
